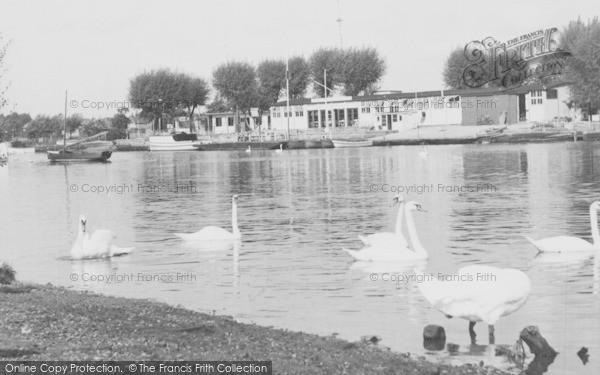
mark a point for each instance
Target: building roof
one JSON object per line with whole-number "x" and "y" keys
{"x": 485, "y": 91}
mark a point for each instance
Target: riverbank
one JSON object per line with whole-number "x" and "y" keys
{"x": 45, "y": 322}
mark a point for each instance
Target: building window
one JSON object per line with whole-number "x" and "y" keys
{"x": 352, "y": 116}
{"x": 340, "y": 117}
{"x": 229, "y": 121}
{"x": 313, "y": 119}
{"x": 399, "y": 118}
{"x": 395, "y": 118}
{"x": 540, "y": 101}
{"x": 218, "y": 121}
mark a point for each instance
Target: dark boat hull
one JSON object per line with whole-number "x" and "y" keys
{"x": 66, "y": 156}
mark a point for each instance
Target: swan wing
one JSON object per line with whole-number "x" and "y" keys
{"x": 383, "y": 253}
{"x": 96, "y": 245}
{"x": 208, "y": 234}
{"x": 561, "y": 244}
{"x": 384, "y": 239}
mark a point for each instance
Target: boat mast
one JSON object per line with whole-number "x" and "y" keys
{"x": 65, "y": 124}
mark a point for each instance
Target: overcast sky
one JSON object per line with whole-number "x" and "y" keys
{"x": 93, "y": 48}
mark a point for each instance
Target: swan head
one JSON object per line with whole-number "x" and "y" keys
{"x": 414, "y": 206}
{"x": 82, "y": 223}
{"x": 234, "y": 199}
{"x": 595, "y": 206}
{"x": 399, "y": 198}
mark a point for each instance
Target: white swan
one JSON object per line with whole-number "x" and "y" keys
{"x": 97, "y": 245}
{"x": 568, "y": 244}
{"x": 391, "y": 252}
{"x": 212, "y": 233}
{"x": 248, "y": 150}
{"x": 280, "y": 149}
{"x": 388, "y": 238}
{"x": 478, "y": 293}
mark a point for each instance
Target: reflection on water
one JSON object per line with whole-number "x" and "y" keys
{"x": 296, "y": 211}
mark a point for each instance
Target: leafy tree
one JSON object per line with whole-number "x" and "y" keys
{"x": 299, "y": 76}
{"x": 456, "y": 63}
{"x": 3, "y": 86}
{"x": 271, "y": 81}
{"x": 219, "y": 105}
{"x": 583, "y": 68}
{"x": 195, "y": 91}
{"x": 13, "y": 124}
{"x": 74, "y": 122}
{"x": 236, "y": 82}
{"x": 120, "y": 121}
{"x": 330, "y": 60}
{"x": 360, "y": 70}
{"x": 46, "y": 127}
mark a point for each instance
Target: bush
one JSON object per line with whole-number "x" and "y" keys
{"x": 7, "y": 274}
{"x": 115, "y": 134}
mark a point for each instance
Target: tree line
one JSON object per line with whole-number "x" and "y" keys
{"x": 581, "y": 70}
{"x": 239, "y": 86}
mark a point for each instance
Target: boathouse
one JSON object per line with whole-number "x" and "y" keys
{"x": 403, "y": 111}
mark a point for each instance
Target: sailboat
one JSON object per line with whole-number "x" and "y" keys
{"x": 88, "y": 149}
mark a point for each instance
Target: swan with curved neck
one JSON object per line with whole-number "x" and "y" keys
{"x": 569, "y": 244}
{"x": 388, "y": 238}
{"x": 212, "y": 233}
{"x": 392, "y": 253}
{"x": 97, "y": 245}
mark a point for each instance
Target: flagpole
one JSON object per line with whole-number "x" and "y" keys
{"x": 287, "y": 88}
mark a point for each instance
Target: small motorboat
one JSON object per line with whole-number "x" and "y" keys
{"x": 175, "y": 142}
{"x": 342, "y": 144}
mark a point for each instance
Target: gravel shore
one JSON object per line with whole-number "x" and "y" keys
{"x": 44, "y": 322}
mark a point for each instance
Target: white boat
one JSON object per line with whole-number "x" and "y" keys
{"x": 177, "y": 142}
{"x": 341, "y": 144}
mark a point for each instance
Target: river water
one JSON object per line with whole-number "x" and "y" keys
{"x": 296, "y": 211}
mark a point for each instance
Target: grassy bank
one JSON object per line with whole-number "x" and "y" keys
{"x": 43, "y": 322}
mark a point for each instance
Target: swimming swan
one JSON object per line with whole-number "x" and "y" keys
{"x": 212, "y": 233}
{"x": 392, "y": 252}
{"x": 388, "y": 238}
{"x": 97, "y": 245}
{"x": 248, "y": 150}
{"x": 568, "y": 244}
{"x": 478, "y": 293}
{"x": 280, "y": 149}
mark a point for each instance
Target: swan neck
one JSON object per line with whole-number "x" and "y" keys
{"x": 594, "y": 222}
{"x": 234, "y": 222}
{"x": 399, "y": 219}
{"x": 412, "y": 233}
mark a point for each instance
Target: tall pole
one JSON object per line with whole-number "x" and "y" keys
{"x": 287, "y": 89}
{"x": 65, "y": 124}
{"x": 325, "y": 91}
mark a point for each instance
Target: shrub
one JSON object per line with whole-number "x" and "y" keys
{"x": 7, "y": 274}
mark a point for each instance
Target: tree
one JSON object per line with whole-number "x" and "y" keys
{"x": 3, "y": 86}
{"x": 12, "y": 125}
{"x": 120, "y": 121}
{"x": 219, "y": 105}
{"x": 236, "y": 82}
{"x": 45, "y": 127}
{"x": 271, "y": 81}
{"x": 299, "y": 76}
{"x": 455, "y": 66}
{"x": 583, "y": 67}
{"x": 194, "y": 93}
{"x": 74, "y": 122}
{"x": 330, "y": 60}
{"x": 361, "y": 69}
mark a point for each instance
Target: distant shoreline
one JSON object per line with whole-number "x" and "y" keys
{"x": 45, "y": 322}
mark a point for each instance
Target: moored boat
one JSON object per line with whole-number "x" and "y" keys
{"x": 342, "y": 144}
{"x": 69, "y": 155}
{"x": 176, "y": 142}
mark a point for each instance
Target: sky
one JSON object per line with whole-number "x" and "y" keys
{"x": 92, "y": 49}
